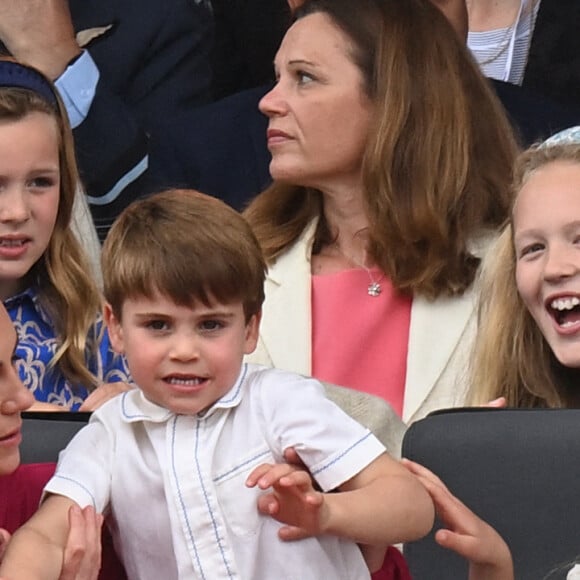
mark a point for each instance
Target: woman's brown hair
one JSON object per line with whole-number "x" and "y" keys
{"x": 438, "y": 162}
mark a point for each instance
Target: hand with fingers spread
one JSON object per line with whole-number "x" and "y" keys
{"x": 467, "y": 534}
{"x": 293, "y": 500}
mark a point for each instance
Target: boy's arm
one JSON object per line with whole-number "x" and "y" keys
{"x": 383, "y": 504}
{"x": 36, "y": 551}
{"x": 379, "y": 506}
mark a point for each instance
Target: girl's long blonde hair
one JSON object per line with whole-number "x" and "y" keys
{"x": 62, "y": 277}
{"x": 511, "y": 356}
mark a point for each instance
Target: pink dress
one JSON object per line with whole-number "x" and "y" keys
{"x": 360, "y": 341}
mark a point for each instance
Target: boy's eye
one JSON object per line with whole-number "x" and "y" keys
{"x": 157, "y": 325}
{"x": 210, "y": 325}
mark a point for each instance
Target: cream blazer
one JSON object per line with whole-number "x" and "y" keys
{"x": 440, "y": 338}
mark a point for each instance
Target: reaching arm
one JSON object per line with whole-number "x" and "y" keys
{"x": 488, "y": 555}
{"x": 382, "y": 505}
{"x": 37, "y": 549}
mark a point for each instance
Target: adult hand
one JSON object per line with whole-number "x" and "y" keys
{"x": 39, "y": 33}
{"x": 467, "y": 534}
{"x": 82, "y": 554}
{"x": 293, "y": 500}
{"x": 4, "y": 539}
{"x": 103, "y": 393}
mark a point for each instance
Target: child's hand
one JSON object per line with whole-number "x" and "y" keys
{"x": 103, "y": 393}
{"x": 293, "y": 500}
{"x": 467, "y": 534}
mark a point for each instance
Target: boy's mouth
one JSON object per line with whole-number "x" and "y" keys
{"x": 565, "y": 310}
{"x": 185, "y": 380}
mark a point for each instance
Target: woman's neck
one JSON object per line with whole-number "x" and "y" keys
{"x": 487, "y": 15}
{"x": 348, "y": 225}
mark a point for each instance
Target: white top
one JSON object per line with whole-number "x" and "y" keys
{"x": 574, "y": 573}
{"x": 502, "y": 53}
{"x": 175, "y": 483}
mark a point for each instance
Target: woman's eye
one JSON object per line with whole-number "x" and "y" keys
{"x": 304, "y": 78}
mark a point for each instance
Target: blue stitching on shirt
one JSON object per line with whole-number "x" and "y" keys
{"x": 217, "y": 536}
{"x": 125, "y": 412}
{"x": 320, "y": 469}
{"x": 181, "y": 502}
{"x": 239, "y": 386}
{"x": 233, "y": 469}
{"x": 57, "y": 476}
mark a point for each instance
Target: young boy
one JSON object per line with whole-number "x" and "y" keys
{"x": 180, "y": 463}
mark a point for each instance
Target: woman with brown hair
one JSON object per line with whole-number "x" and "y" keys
{"x": 391, "y": 161}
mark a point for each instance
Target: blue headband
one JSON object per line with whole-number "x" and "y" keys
{"x": 565, "y": 137}
{"x": 13, "y": 74}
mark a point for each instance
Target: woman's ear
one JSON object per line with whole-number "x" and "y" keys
{"x": 114, "y": 328}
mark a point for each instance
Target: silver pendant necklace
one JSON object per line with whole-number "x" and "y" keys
{"x": 374, "y": 288}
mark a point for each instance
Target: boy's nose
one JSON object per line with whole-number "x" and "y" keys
{"x": 185, "y": 348}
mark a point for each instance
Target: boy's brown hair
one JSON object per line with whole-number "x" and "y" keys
{"x": 187, "y": 246}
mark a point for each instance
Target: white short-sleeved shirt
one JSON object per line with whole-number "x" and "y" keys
{"x": 175, "y": 484}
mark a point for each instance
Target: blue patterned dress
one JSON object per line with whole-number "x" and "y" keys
{"x": 37, "y": 345}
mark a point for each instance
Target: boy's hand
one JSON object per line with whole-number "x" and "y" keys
{"x": 466, "y": 533}
{"x": 293, "y": 500}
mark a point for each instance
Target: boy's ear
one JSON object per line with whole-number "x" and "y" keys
{"x": 114, "y": 328}
{"x": 252, "y": 333}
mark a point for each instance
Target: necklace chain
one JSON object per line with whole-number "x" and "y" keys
{"x": 374, "y": 288}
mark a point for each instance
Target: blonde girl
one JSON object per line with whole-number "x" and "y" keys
{"x": 45, "y": 282}
{"x": 528, "y": 346}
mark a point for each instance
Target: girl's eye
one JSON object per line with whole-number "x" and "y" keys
{"x": 41, "y": 182}
{"x": 531, "y": 249}
{"x": 211, "y": 325}
{"x": 15, "y": 359}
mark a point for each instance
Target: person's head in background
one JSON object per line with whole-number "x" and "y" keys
{"x": 528, "y": 342}
{"x": 14, "y": 398}
{"x": 39, "y": 180}
{"x": 379, "y": 96}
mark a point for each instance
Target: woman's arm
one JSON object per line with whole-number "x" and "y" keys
{"x": 38, "y": 549}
